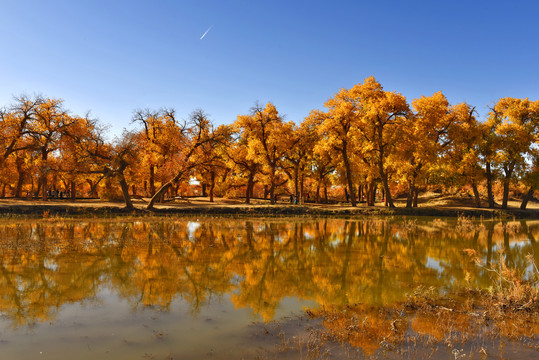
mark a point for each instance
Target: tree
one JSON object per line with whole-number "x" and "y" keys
{"x": 515, "y": 122}
{"x": 109, "y": 160}
{"x": 433, "y": 129}
{"x": 211, "y": 161}
{"x": 160, "y": 140}
{"x": 266, "y": 134}
{"x": 381, "y": 116}
{"x": 463, "y": 157}
{"x": 192, "y": 134}
{"x": 300, "y": 144}
{"x": 337, "y": 130}
{"x": 243, "y": 166}
{"x": 46, "y": 129}
{"x": 14, "y": 125}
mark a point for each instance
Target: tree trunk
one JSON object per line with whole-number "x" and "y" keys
{"x": 360, "y": 193}
{"x": 20, "y": 179}
{"x": 162, "y": 190}
{"x": 212, "y": 185}
{"x": 272, "y": 186}
{"x": 301, "y": 193}
{"x": 411, "y": 191}
{"x": 349, "y": 176}
{"x": 506, "y": 181}
{"x": 73, "y": 190}
{"x": 317, "y": 194}
{"x": 252, "y": 193}
{"x": 125, "y": 192}
{"x": 383, "y": 174}
{"x": 326, "y": 193}
{"x": 266, "y": 191}
{"x": 296, "y": 182}
{"x": 204, "y": 192}
{"x": 370, "y": 189}
{"x": 527, "y": 198}
{"x": 249, "y": 190}
{"x": 505, "y": 193}
{"x": 489, "y": 186}
{"x": 152, "y": 180}
{"x": 39, "y": 184}
{"x": 416, "y": 195}
{"x": 20, "y": 183}
{"x": 158, "y": 194}
{"x": 43, "y": 176}
{"x": 476, "y": 194}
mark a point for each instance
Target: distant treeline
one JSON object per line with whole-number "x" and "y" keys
{"x": 366, "y": 142}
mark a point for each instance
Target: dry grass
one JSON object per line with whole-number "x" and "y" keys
{"x": 470, "y": 324}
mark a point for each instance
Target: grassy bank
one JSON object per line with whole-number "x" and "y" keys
{"x": 500, "y": 322}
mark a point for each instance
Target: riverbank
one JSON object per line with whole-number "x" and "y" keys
{"x": 228, "y": 207}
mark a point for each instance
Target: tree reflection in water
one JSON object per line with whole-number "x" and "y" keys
{"x": 332, "y": 262}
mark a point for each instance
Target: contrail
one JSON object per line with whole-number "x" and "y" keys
{"x": 207, "y": 31}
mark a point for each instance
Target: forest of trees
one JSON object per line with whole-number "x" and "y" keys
{"x": 366, "y": 141}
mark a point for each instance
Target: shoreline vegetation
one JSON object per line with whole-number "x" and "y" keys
{"x": 471, "y": 323}
{"x": 452, "y": 207}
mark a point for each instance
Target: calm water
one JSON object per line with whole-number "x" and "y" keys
{"x": 191, "y": 289}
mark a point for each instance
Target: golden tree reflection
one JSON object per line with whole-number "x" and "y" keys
{"x": 258, "y": 263}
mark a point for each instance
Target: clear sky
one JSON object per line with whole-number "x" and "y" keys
{"x": 111, "y": 57}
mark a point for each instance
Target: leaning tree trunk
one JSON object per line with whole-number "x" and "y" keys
{"x": 527, "y": 198}
{"x": 163, "y": 189}
{"x": 125, "y": 192}
{"x": 159, "y": 194}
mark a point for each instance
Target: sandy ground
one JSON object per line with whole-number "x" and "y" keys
{"x": 427, "y": 200}
{"x": 430, "y": 204}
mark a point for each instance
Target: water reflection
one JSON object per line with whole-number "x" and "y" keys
{"x": 151, "y": 263}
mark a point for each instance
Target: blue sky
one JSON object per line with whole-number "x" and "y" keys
{"x": 111, "y": 57}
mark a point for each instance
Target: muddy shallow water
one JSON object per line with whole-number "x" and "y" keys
{"x": 188, "y": 288}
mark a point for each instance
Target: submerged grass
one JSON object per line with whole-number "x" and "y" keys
{"x": 503, "y": 319}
